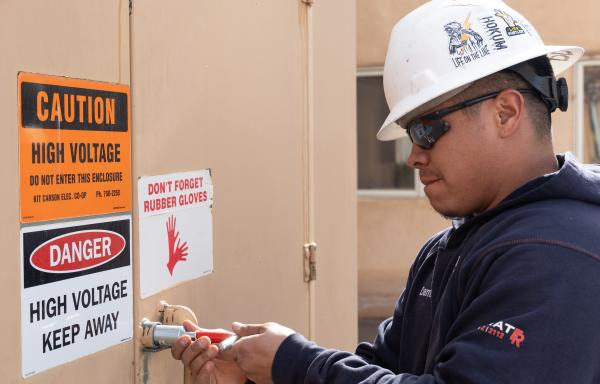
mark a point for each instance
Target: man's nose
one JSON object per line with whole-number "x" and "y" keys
{"x": 418, "y": 157}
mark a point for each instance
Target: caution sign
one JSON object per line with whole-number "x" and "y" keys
{"x": 175, "y": 225}
{"x": 76, "y": 296}
{"x": 74, "y": 151}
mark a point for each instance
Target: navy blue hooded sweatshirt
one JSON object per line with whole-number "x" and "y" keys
{"x": 509, "y": 296}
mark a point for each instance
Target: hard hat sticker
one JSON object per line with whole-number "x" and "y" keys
{"x": 513, "y": 28}
{"x": 494, "y": 33}
{"x": 564, "y": 55}
{"x": 465, "y": 44}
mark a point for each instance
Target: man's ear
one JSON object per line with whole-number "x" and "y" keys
{"x": 510, "y": 109}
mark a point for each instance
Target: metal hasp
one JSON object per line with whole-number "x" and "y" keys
{"x": 310, "y": 262}
{"x": 176, "y": 314}
{"x": 159, "y": 335}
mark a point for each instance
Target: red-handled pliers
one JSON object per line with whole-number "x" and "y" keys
{"x": 215, "y": 336}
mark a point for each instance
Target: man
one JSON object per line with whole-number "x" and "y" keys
{"x": 509, "y": 293}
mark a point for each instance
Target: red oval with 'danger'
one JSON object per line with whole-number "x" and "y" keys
{"x": 77, "y": 251}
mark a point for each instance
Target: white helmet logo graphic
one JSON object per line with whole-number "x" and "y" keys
{"x": 462, "y": 38}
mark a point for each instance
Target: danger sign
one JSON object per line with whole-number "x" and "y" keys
{"x": 74, "y": 147}
{"x": 175, "y": 229}
{"x": 77, "y": 251}
{"x": 76, "y": 296}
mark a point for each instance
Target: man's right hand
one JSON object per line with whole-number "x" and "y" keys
{"x": 206, "y": 364}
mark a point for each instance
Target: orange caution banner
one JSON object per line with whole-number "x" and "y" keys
{"x": 74, "y": 147}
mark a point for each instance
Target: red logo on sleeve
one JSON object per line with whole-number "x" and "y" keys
{"x": 500, "y": 329}
{"x": 517, "y": 337}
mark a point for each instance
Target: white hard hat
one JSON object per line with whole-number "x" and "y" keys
{"x": 443, "y": 46}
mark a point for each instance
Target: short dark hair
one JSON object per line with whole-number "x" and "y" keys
{"x": 536, "y": 109}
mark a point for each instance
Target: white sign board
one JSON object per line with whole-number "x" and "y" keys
{"x": 76, "y": 293}
{"x": 175, "y": 212}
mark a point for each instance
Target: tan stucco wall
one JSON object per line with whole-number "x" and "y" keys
{"x": 390, "y": 231}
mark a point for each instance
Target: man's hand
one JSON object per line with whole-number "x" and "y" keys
{"x": 255, "y": 351}
{"x": 204, "y": 361}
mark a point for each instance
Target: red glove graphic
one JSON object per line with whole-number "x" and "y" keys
{"x": 177, "y": 251}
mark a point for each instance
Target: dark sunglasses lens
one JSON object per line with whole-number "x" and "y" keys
{"x": 425, "y": 132}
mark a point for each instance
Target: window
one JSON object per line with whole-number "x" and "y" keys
{"x": 382, "y": 166}
{"x": 587, "y": 140}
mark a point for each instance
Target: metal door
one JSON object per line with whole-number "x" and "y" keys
{"x": 219, "y": 85}
{"x": 261, "y": 93}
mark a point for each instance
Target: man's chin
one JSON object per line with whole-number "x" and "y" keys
{"x": 446, "y": 211}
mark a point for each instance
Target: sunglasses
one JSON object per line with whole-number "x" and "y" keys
{"x": 424, "y": 131}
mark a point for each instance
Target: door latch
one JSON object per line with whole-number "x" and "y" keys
{"x": 310, "y": 262}
{"x": 157, "y": 336}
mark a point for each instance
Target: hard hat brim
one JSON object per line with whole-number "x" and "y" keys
{"x": 561, "y": 58}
